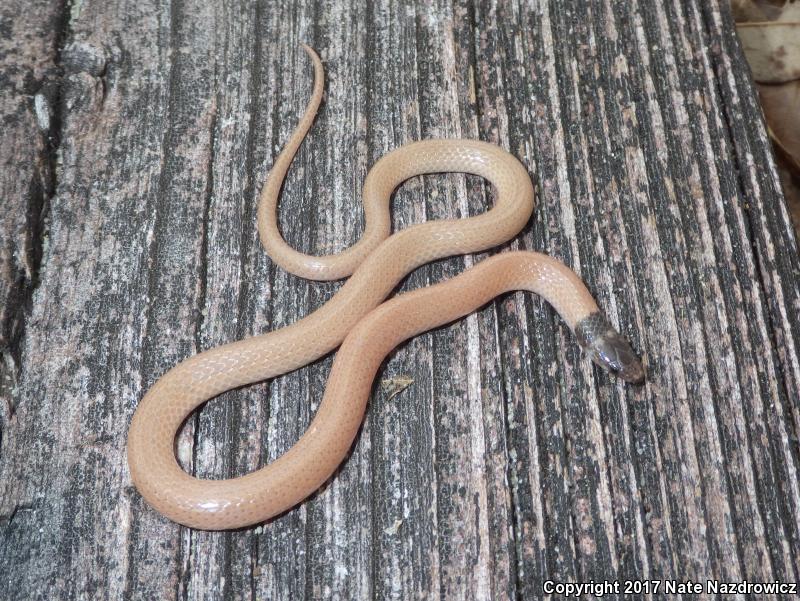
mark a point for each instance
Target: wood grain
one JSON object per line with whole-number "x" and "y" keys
{"x": 135, "y": 138}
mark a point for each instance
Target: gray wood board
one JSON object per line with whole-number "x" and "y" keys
{"x": 135, "y": 138}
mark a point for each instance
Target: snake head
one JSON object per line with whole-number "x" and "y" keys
{"x": 608, "y": 348}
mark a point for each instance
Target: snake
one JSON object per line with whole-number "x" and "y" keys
{"x": 360, "y": 321}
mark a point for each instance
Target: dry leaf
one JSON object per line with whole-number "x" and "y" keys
{"x": 755, "y": 10}
{"x": 791, "y": 190}
{"x": 394, "y": 386}
{"x": 781, "y": 104}
{"x": 773, "y": 47}
{"x": 790, "y": 12}
{"x": 392, "y": 530}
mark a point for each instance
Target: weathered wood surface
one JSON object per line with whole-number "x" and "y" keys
{"x": 135, "y": 136}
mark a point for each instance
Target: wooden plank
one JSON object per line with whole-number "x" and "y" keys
{"x": 509, "y": 459}
{"x": 29, "y": 93}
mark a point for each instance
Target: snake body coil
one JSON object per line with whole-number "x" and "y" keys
{"x": 377, "y": 263}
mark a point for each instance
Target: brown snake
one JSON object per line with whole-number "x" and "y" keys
{"x": 356, "y": 316}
